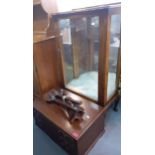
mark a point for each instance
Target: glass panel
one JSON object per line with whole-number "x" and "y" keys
{"x": 67, "y": 45}
{"x": 81, "y": 55}
{"x": 113, "y": 55}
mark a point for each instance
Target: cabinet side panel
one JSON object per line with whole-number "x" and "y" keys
{"x": 46, "y": 62}
{"x": 91, "y": 136}
{"x": 36, "y": 84}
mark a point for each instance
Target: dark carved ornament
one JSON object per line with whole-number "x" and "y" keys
{"x": 71, "y": 106}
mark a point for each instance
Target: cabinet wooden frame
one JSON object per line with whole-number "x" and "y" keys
{"x": 46, "y": 64}
{"x": 104, "y": 25}
{"x": 104, "y": 14}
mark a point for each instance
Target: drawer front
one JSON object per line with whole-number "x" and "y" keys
{"x": 58, "y": 136}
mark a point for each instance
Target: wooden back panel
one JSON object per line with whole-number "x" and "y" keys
{"x": 45, "y": 66}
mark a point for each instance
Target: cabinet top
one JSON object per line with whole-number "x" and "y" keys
{"x": 55, "y": 114}
{"x": 110, "y": 8}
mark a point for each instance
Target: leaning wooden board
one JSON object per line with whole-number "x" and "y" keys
{"x": 76, "y": 138}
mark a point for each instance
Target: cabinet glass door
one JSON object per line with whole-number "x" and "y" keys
{"x": 80, "y": 54}
{"x": 113, "y": 55}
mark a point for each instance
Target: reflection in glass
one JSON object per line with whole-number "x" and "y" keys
{"x": 67, "y": 45}
{"x": 113, "y": 55}
{"x": 81, "y": 50}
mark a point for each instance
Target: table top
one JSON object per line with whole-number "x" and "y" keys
{"x": 57, "y": 115}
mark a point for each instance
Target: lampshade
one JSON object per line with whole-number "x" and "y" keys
{"x": 49, "y": 6}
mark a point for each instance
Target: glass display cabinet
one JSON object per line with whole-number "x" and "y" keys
{"x": 89, "y": 44}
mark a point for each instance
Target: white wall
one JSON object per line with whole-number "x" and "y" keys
{"x": 67, "y": 5}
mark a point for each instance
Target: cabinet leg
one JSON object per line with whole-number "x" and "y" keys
{"x": 116, "y": 105}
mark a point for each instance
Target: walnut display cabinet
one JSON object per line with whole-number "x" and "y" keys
{"x": 84, "y": 59}
{"x": 89, "y": 44}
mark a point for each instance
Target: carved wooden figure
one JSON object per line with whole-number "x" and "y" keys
{"x": 72, "y": 107}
